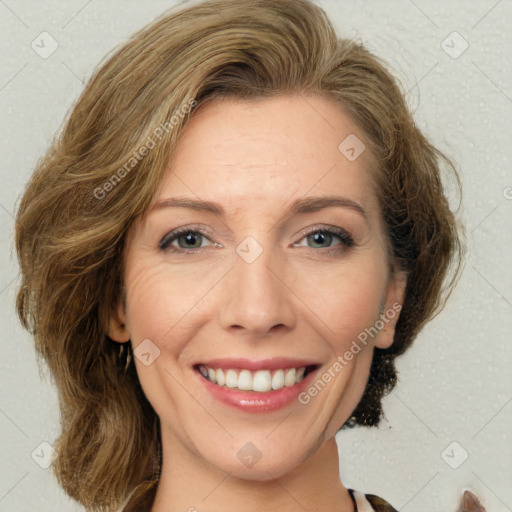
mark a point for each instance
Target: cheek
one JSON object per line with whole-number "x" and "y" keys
{"x": 163, "y": 301}
{"x": 344, "y": 297}
{"x": 151, "y": 305}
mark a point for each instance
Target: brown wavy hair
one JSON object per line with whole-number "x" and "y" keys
{"x": 94, "y": 182}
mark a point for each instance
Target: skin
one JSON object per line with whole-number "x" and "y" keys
{"x": 300, "y": 298}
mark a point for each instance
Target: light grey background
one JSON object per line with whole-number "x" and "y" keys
{"x": 455, "y": 383}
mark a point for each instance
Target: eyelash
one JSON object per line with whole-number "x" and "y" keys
{"x": 345, "y": 239}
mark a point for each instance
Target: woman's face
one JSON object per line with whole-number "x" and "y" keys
{"x": 280, "y": 264}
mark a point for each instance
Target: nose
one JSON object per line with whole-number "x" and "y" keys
{"x": 257, "y": 297}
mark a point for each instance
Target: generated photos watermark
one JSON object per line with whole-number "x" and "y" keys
{"x": 142, "y": 151}
{"x": 343, "y": 360}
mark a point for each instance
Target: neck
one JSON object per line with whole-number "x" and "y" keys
{"x": 188, "y": 483}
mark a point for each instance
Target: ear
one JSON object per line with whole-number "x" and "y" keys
{"x": 117, "y": 330}
{"x": 393, "y": 302}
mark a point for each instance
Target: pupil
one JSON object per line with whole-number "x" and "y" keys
{"x": 319, "y": 238}
{"x": 191, "y": 239}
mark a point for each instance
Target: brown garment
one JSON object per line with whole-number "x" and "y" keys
{"x": 377, "y": 504}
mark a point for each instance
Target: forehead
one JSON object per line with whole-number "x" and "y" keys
{"x": 276, "y": 150}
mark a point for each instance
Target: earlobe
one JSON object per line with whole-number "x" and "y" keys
{"x": 117, "y": 330}
{"x": 389, "y": 314}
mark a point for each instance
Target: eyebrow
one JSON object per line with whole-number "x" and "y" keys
{"x": 301, "y": 205}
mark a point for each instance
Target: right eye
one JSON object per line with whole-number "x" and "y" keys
{"x": 188, "y": 240}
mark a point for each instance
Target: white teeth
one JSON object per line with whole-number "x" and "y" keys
{"x": 245, "y": 380}
{"x": 231, "y": 379}
{"x": 278, "y": 380}
{"x": 299, "y": 374}
{"x": 219, "y": 377}
{"x": 260, "y": 381}
{"x": 289, "y": 377}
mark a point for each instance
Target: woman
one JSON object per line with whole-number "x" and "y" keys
{"x": 238, "y": 230}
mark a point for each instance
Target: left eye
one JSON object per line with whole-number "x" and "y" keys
{"x": 323, "y": 238}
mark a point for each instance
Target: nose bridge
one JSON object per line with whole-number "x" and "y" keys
{"x": 256, "y": 297}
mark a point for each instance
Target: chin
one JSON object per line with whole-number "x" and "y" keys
{"x": 262, "y": 459}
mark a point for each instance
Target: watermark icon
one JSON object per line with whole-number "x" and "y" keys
{"x": 249, "y": 249}
{"x": 44, "y": 454}
{"x": 352, "y": 147}
{"x": 343, "y": 360}
{"x": 507, "y": 192}
{"x": 454, "y": 455}
{"x": 249, "y": 455}
{"x": 143, "y": 150}
{"x": 44, "y": 45}
{"x": 454, "y": 45}
{"x": 146, "y": 352}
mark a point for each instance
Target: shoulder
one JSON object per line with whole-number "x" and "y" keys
{"x": 370, "y": 502}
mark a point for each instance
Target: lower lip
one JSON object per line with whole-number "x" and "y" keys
{"x": 254, "y": 401}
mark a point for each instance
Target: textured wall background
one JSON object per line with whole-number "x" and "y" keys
{"x": 453, "y": 59}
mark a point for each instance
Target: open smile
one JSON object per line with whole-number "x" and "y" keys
{"x": 252, "y": 386}
{"x": 260, "y": 381}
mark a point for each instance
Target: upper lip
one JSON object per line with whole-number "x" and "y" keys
{"x": 274, "y": 363}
